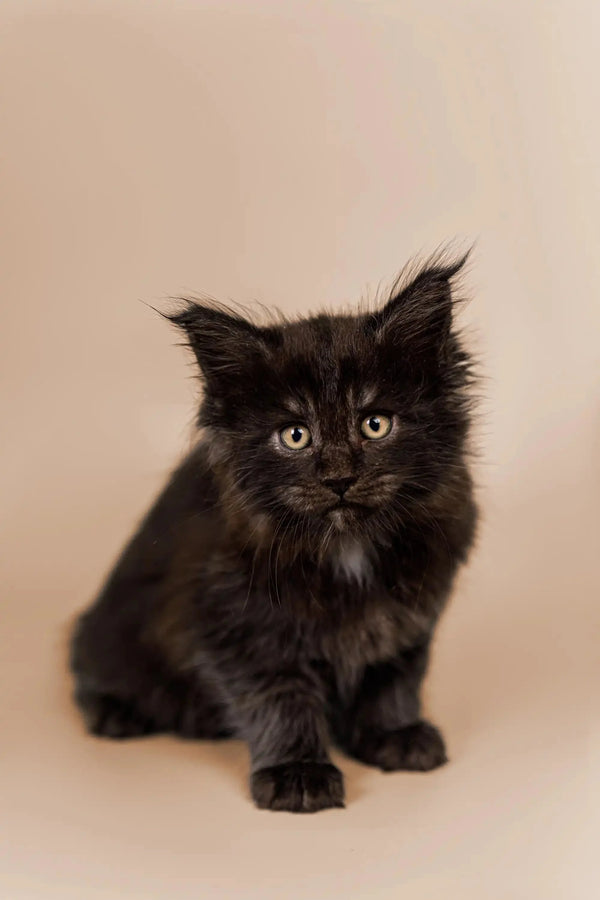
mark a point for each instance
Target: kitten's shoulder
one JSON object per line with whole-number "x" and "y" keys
{"x": 193, "y": 481}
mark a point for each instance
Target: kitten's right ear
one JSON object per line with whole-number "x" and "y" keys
{"x": 222, "y": 340}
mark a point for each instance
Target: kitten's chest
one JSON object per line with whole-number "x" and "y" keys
{"x": 357, "y": 640}
{"x": 350, "y": 611}
{"x": 351, "y": 563}
{"x": 377, "y": 631}
{"x": 361, "y": 619}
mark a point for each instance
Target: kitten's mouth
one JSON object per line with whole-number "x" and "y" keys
{"x": 345, "y": 508}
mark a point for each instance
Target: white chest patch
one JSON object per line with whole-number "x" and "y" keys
{"x": 350, "y": 561}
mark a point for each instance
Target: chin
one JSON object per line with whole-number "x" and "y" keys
{"x": 349, "y": 519}
{"x": 339, "y": 518}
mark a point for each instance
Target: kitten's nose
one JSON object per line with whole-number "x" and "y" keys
{"x": 339, "y": 485}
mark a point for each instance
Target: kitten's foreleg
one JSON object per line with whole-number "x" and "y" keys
{"x": 383, "y": 727}
{"x": 284, "y": 721}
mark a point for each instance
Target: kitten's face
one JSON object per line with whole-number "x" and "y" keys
{"x": 336, "y": 423}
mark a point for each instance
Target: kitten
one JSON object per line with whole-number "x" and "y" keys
{"x": 285, "y": 585}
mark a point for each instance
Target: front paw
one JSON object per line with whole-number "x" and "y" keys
{"x": 298, "y": 787}
{"x": 418, "y": 748}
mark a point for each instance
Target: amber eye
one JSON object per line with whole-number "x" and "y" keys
{"x": 376, "y": 427}
{"x": 295, "y": 437}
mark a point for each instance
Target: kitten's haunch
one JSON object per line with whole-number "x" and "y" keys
{"x": 285, "y": 586}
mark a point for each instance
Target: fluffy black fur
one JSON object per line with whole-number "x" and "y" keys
{"x": 289, "y": 596}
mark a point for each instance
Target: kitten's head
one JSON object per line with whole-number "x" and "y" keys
{"x": 336, "y": 423}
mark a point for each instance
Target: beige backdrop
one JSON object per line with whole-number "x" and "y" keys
{"x": 297, "y": 154}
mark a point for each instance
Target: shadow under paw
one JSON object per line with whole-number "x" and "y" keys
{"x": 298, "y": 787}
{"x": 418, "y": 747}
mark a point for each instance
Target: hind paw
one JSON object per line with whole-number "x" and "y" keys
{"x": 111, "y": 717}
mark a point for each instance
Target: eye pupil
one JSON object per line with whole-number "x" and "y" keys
{"x": 296, "y": 435}
{"x": 374, "y": 423}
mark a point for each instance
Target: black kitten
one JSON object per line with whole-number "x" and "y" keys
{"x": 285, "y": 586}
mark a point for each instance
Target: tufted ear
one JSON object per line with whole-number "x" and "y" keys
{"x": 223, "y": 341}
{"x": 418, "y": 317}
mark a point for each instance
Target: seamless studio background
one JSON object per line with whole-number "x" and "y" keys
{"x": 298, "y": 154}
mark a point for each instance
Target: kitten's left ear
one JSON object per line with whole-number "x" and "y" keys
{"x": 418, "y": 317}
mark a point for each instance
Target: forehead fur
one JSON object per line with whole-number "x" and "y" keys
{"x": 325, "y": 356}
